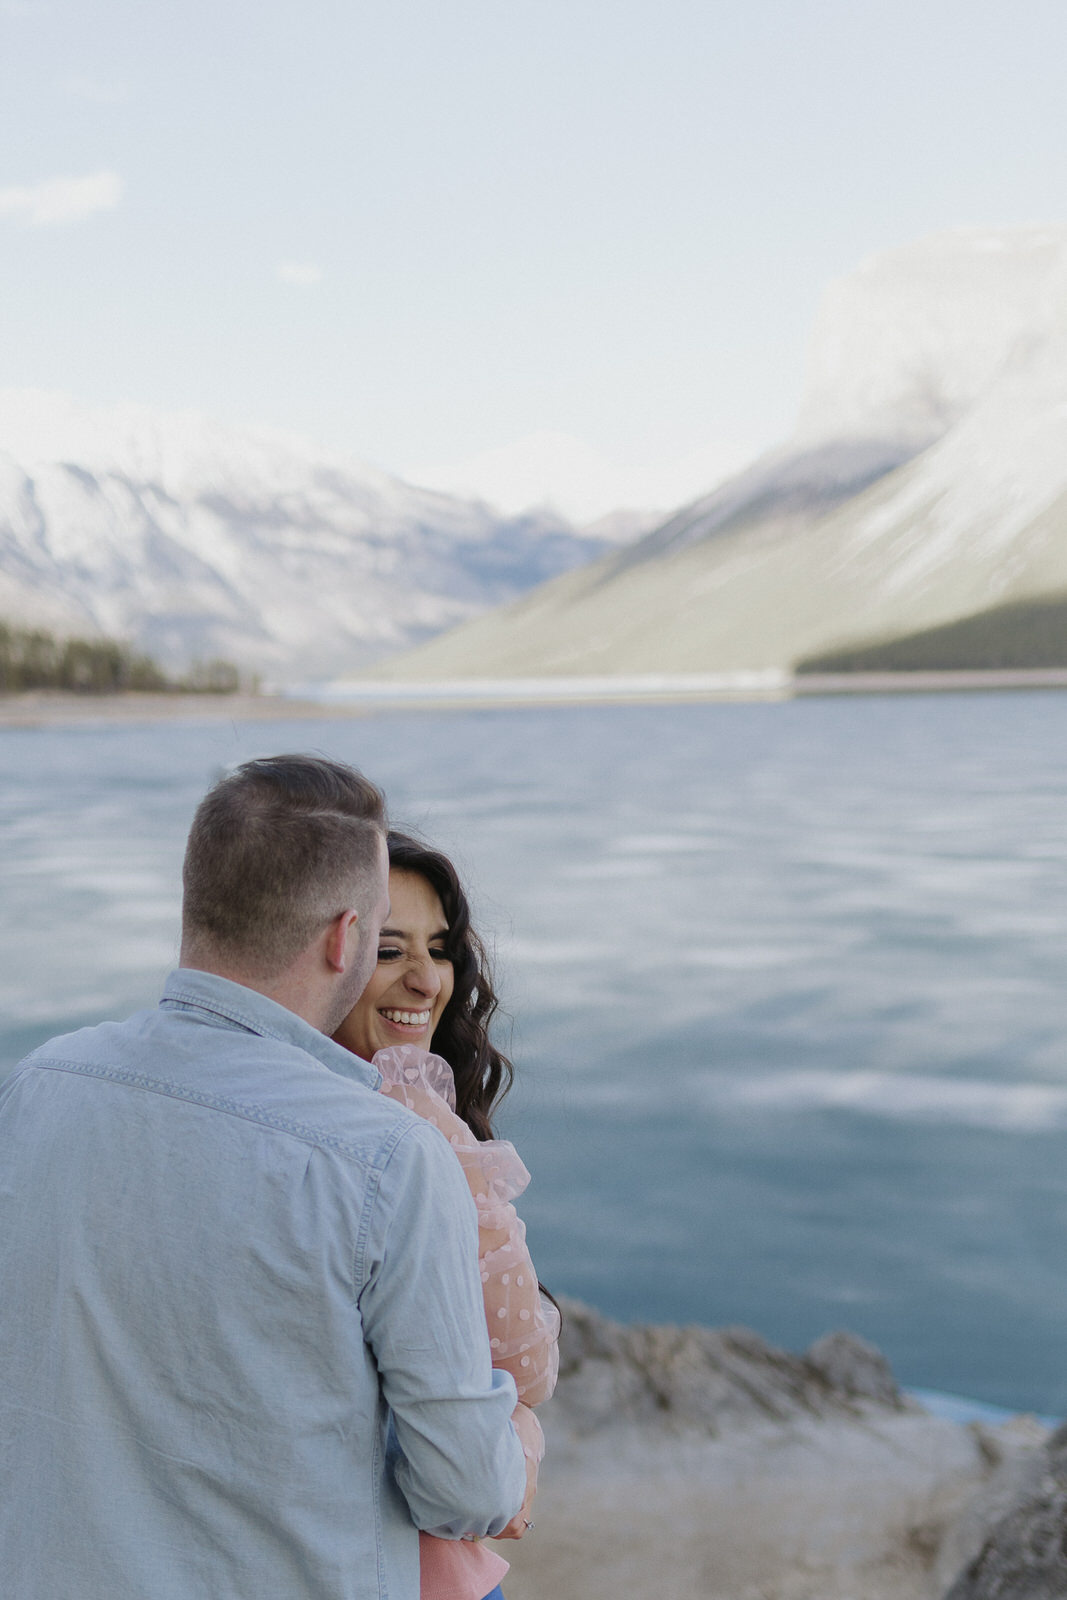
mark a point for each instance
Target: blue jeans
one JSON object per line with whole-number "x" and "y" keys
{"x": 497, "y": 1594}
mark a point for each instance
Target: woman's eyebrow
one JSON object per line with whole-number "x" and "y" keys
{"x": 394, "y": 933}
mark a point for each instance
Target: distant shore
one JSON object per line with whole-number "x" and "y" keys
{"x": 47, "y": 708}
{"x": 676, "y": 688}
{"x": 818, "y": 683}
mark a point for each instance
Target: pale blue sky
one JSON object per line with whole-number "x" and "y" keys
{"x": 607, "y": 220}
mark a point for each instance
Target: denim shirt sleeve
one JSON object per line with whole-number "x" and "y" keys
{"x": 461, "y": 1467}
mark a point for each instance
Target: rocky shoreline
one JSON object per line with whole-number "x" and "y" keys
{"x": 708, "y": 1464}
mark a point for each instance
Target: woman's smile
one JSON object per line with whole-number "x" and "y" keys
{"x": 411, "y": 1026}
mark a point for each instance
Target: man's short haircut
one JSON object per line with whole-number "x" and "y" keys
{"x": 277, "y": 849}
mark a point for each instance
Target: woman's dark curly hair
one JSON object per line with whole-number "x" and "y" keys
{"x": 483, "y": 1074}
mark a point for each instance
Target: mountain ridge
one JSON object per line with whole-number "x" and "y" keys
{"x": 929, "y": 485}
{"x": 193, "y": 540}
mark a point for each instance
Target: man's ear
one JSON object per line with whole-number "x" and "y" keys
{"x": 341, "y": 938}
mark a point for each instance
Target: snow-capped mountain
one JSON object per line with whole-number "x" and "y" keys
{"x": 197, "y": 541}
{"x": 916, "y": 335}
{"x": 926, "y": 481}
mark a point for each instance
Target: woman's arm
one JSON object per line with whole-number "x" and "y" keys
{"x": 523, "y": 1325}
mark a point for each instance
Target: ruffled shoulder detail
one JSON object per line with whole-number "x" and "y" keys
{"x": 424, "y": 1083}
{"x": 499, "y": 1164}
{"x": 406, "y": 1066}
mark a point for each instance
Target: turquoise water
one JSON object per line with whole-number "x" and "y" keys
{"x": 789, "y": 986}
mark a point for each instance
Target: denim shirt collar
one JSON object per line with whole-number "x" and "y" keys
{"x": 235, "y": 1006}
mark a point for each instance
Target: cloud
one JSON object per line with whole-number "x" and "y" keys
{"x": 59, "y": 200}
{"x": 541, "y": 469}
{"x": 304, "y": 274}
{"x": 584, "y": 483}
{"x": 83, "y": 86}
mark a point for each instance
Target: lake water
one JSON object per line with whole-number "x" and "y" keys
{"x": 789, "y": 984}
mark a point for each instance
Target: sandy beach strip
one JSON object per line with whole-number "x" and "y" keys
{"x": 53, "y": 710}
{"x": 365, "y": 697}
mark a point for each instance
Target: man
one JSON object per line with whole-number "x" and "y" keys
{"x": 242, "y": 1345}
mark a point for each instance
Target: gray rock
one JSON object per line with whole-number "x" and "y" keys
{"x": 709, "y": 1379}
{"x": 1024, "y": 1555}
{"x": 854, "y": 1368}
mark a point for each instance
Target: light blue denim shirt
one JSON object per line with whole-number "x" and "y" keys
{"x": 242, "y": 1344}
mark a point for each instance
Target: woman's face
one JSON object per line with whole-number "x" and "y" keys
{"x": 412, "y": 983}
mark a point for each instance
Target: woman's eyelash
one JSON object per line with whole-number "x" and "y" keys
{"x": 391, "y": 952}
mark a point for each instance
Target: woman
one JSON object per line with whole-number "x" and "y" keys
{"x": 432, "y": 990}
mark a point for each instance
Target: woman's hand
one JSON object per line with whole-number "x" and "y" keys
{"x": 532, "y": 1440}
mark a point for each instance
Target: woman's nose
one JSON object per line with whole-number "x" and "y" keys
{"x": 424, "y": 977}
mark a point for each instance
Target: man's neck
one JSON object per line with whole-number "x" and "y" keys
{"x": 290, "y": 989}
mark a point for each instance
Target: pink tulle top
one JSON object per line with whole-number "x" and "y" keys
{"x": 523, "y": 1325}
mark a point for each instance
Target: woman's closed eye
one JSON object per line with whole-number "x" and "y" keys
{"x": 393, "y": 952}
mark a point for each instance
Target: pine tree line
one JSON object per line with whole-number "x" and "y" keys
{"x": 33, "y": 658}
{"x": 1029, "y": 634}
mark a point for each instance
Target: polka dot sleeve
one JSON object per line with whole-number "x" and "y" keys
{"x": 523, "y": 1325}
